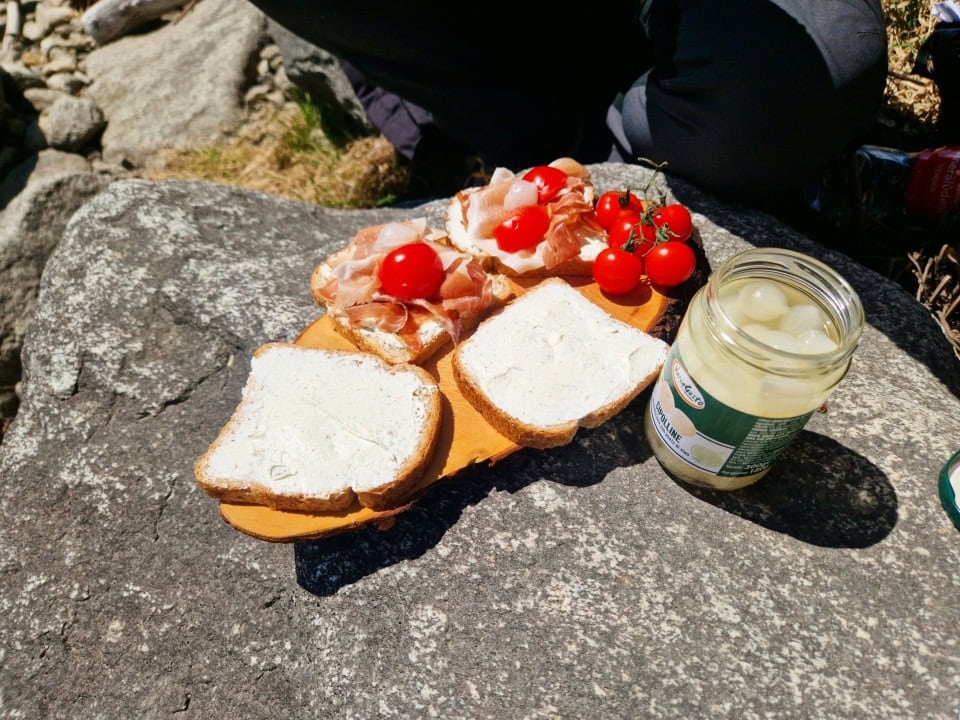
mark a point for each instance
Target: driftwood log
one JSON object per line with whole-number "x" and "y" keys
{"x": 107, "y": 20}
{"x": 14, "y": 25}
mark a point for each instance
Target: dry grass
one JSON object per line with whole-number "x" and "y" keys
{"x": 288, "y": 154}
{"x": 911, "y": 104}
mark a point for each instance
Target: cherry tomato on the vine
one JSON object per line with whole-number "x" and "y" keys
{"x": 629, "y": 227}
{"x": 549, "y": 181}
{"x": 670, "y": 263}
{"x": 411, "y": 271}
{"x": 613, "y": 202}
{"x": 522, "y": 229}
{"x": 619, "y": 230}
{"x": 617, "y": 271}
{"x": 677, "y": 219}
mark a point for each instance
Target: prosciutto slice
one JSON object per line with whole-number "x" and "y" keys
{"x": 573, "y": 222}
{"x": 351, "y": 284}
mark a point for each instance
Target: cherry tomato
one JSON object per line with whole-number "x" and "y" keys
{"x": 676, "y": 218}
{"x": 549, "y": 181}
{"x": 613, "y": 202}
{"x": 618, "y": 232}
{"x": 411, "y": 271}
{"x": 617, "y": 271}
{"x": 628, "y": 229}
{"x": 670, "y": 263}
{"x": 522, "y": 229}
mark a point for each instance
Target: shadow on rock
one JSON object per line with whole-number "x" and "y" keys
{"x": 819, "y": 492}
{"x": 326, "y": 565}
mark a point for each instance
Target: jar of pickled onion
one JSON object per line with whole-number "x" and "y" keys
{"x": 761, "y": 347}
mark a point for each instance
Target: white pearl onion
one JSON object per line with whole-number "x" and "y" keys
{"x": 763, "y": 301}
{"x": 803, "y": 317}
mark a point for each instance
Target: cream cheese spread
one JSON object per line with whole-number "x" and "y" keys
{"x": 315, "y": 422}
{"x": 552, "y": 357}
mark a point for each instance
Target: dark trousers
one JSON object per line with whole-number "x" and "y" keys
{"x": 744, "y": 97}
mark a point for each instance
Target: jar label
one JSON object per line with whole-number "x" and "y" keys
{"x": 710, "y": 435}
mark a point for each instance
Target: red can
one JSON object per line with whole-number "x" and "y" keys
{"x": 933, "y": 188}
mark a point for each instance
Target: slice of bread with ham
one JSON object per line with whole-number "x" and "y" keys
{"x": 550, "y": 362}
{"x": 572, "y": 236}
{"x": 318, "y": 429}
{"x": 407, "y": 327}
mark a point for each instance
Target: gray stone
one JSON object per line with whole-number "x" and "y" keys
{"x": 50, "y": 16}
{"x": 180, "y": 86}
{"x": 30, "y": 227}
{"x": 46, "y": 164}
{"x": 577, "y": 582}
{"x": 317, "y": 73}
{"x": 77, "y": 41}
{"x": 42, "y": 97}
{"x": 72, "y": 123}
{"x": 22, "y": 75}
{"x": 66, "y": 82}
{"x": 34, "y": 31}
{"x": 62, "y": 60}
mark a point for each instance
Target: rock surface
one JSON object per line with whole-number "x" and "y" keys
{"x": 574, "y": 582}
{"x": 318, "y": 73}
{"x": 188, "y": 79}
{"x": 181, "y": 83}
{"x": 30, "y": 228}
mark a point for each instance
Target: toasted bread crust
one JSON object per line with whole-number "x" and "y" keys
{"x": 380, "y": 498}
{"x": 367, "y": 341}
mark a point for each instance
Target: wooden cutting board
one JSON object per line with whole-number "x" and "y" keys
{"x": 465, "y": 438}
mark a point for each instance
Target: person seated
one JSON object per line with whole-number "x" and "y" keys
{"x": 747, "y": 99}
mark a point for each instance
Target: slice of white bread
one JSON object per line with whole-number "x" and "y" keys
{"x": 551, "y": 362}
{"x": 316, "y": 429}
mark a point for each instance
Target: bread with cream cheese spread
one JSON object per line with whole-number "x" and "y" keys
{"x": 551, "y": 361}
{"x": 317, "y": 429}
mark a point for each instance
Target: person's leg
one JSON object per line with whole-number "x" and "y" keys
{"x": 517, "y": 87}
{"x": 753, "y": 97}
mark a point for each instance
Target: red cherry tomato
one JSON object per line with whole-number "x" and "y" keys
{"x": 522, "y": 229}
{"x": 411, "y": 271}
{"x": 670, "y": 263}
{"x": 617, "y": 271}
{"x": 676, "y": 218}
{"x": 549, "y": 181}
{"x": 619, "y": 230}
{"x": 628, "y": 229}
{"x": 613, "y": 202}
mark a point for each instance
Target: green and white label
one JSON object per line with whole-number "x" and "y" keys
{"x": 710, "y": 435}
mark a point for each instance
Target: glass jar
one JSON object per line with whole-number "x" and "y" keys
{"x": 762, "y": 345}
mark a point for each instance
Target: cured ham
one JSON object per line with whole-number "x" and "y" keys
{"x": 349, "y": 284}
{"x": 573, "y": 237}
